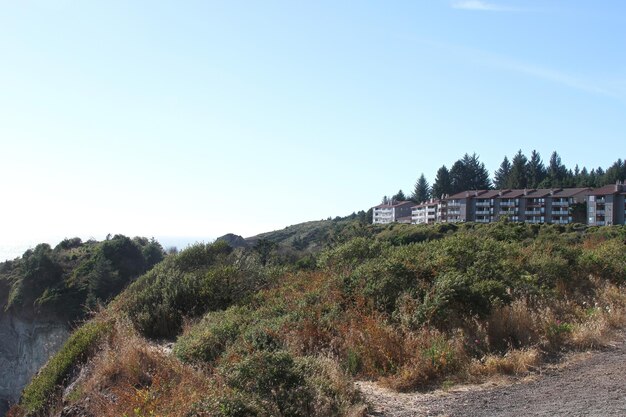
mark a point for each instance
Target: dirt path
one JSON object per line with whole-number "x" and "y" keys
{"x": 588, "y": 384}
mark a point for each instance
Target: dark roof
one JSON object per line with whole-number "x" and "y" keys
{"x": 541, "y": 192}
{"x": 571, "y": 192}
{"x": 427, "y": 203}
{"x": 517, "y": 193}
{"x": 466, "y": 194}
{"x": 491, "y": 194}
{"x": 606, "y": 190}
{"x": 398, "y": 203}
{"x": 537, "y": 193}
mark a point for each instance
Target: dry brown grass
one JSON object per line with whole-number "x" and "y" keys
{"x": 433, "y": 356}
{"x": 514, "y": 362}
{"x": 378, "y": 347}
{"x": 600, "y": 322}
{"x": 131, "y": 377}
{"x": 515, "y": 325}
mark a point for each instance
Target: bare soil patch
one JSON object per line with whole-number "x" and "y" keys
{"x": 586, "y": 384}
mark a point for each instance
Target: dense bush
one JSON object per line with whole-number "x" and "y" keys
{"x": 199, "y": 279}
{"x": 75, "y": 276}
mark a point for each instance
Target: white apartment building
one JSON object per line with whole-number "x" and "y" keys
{"x": 397, "y": 211}
{"x": 425, "y": 213}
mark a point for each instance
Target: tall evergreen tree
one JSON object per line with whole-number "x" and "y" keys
{"x": 616, "y": 172}
{"x": 556, "y": 172}
{"x": 422, "y": 190}
{"x": 459, "y": 177}
{"x": 478, "y": 174}
{"x": 583, "y": 178}
{"x": 468, "y": 173}
{"x": 536, "y": 170}
{"x": 443, "y": 183}
{"x": 519, "y": 171}
{"x": 399, "y": 196}
{"x": 501, "y": 176}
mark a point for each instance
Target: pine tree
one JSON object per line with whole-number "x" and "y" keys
{"x": 422, "y": 190}
{"x": 519, "y": 169}
{"x": 536, "y": 170}
{"x": 583, "y": 178}
{"x": 469, "y": 173}
{"x": 615, "y": 172}
{"x": 399, "y": 196}
{"x": 556, "y": 172}
{"x": 459, "y": 177}
{"x": 478, "y": 174}
{"x": 443, "y": 183}
{"x": 501, "y": 176}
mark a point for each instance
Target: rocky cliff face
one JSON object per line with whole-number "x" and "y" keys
{"x": 25, "y": 345}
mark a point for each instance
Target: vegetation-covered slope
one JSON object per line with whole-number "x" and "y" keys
{"x": 74, "y": 276}
{"x": 412, "y": 306}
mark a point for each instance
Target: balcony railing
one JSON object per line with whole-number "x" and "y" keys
{"x": 560, "y": 203}
{"x": 533, "y": 212}
{"x": 560, "y": 212}
{"x": 483, "y": 204}
{"x": 507, "y": 203}
{"x": 600, "y": 212}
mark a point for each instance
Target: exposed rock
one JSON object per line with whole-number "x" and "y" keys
{"x": 234, "y": 241}
{"x": 25, "y": 345}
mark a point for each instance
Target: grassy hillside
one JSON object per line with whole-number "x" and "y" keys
{"x": 216, "y": 331}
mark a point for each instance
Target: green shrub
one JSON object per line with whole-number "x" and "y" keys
{"x": 208, "y": 339}
{"x": 606, "y": 260}
{"x": 189, "y": 284}
{"x": 351, "y": 253}
{"x": 42, "y": 389}
{"x": 276, "y": 378}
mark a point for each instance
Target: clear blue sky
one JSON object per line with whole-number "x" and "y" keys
{"x": 199, "y": 118}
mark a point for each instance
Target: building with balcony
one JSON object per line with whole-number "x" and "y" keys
{"x": 426, "y": 213}
{"x": 397, "y": 211}
{"x": 602, "y": 206}
{"x": 606, "y": 205}
{"x": 537, "y": 205}
{"x": 461, "y": 207}
{"x": 567, "y": 205}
